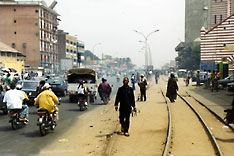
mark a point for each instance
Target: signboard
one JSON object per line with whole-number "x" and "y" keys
{"x": 208, "y": 65}
{"x": 229, "y": 47}
{"x": 66, "y": 64}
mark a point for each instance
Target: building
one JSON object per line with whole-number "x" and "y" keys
{"x": 219, "y": 10}
{"x": 81, "y": 53}
{"x": 31, "y": 28}
{"x": 67, "y": 48}
{"x": 11, "y": 58}
{"x": 204, "y": 13}
{"x": 217, "y": 44}
{"x": 196, "y": 12}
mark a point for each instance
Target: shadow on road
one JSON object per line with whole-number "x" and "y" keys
{"x": 33, "y": 134}
{"x": 97, "y": 104}
{"x": 5, "y": 128}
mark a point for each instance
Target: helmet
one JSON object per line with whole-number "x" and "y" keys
{"x": 46, "y": 86}
{"x": 18, "y": 86}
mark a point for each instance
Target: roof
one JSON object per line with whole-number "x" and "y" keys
{"x": 81, "y": 71}
{"x": 40, "y": 3}
{"x": 6, "y": 48}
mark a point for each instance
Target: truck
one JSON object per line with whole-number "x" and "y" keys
{"x": 75, "y": 76}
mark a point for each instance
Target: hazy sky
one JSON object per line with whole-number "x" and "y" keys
{"x": 111, "y": 22}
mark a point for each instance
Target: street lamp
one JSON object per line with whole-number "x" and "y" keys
{"x": 93, "y": 50}
{"x": 146, "y": 45}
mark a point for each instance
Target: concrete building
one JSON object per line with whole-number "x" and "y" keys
{"x": 11, "y": 58}
{"x": 67, "y": 48}
{"x": 205, "y": 13}
{"x": 81, "y": 52}
{"x": 31, "y": 27}
{"x": 196, "y": 16}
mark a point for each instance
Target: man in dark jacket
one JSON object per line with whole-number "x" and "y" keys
{"x": 125, "y": 96}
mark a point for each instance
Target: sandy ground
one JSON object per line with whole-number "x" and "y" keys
{"x": 148, "y": 130}
{"x": 95, "y": 131}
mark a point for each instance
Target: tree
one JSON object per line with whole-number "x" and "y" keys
{"x": 188, "y": 55}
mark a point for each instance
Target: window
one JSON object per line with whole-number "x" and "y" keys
{"x": 71, "y": 51}
{"x": 3, "y": 53}
{"x": 36, "y": 24}
{"x": 9, "y": 54}
{"x": 224, "y": 28}
{"x": 221, "y": 18}
{"x": 67, "y": 50}
{"x": 13, "y": 45}
{"x": 36, "y": 11}
{"x": 13, "y": 54}
{"x": 14, "y": 10}
{"x": 15, "y": 32}
{"x": 215, "y": 20}
{"x": 14, "y": 21}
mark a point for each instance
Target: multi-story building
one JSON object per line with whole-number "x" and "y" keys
{"x": 11, "y": 58}
{"x": 81, "y": 52}
{"x": 196, "y": 14}
{"x": 205, "y": 13}
{"x": 67, "y": 47}
{"x": 217, "y": 44}
{"x": 219, "y": 10}
{"x": 31, "y": 27}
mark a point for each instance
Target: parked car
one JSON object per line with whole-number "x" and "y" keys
{"x": 58, "y": 86}
{"x": 223, "y": 83}
{"x": 30, "y": 87}
{"x": 230, "y": 87}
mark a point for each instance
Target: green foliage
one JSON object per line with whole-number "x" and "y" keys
{"x": 188, "y": 56}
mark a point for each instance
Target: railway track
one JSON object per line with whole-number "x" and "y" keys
{"x": 215, "y": 129}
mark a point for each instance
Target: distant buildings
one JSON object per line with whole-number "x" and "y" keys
{"x": 31, "y": 28}
{"x": 70, "y": 48}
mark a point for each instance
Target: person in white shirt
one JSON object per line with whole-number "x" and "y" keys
{"x": 14, "y": 98}
{"x": 82, "y": 91}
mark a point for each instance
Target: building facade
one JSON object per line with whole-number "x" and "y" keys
{"x": 196, "y": 16}
{"x": 67, "y": 48}
{"x": 31, "y": 27}
{"x": 11, "y": 58}
{"x": 217, "y": 44}
{"x": 219, "y": 10}
{"x": 81, "y": 53}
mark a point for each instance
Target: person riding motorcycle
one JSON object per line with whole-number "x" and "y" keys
{"x": 46, "y": 101}
{"x": 24, "y": 103}
{"x": 82, "y": 91}
{"x": 104, "y": 89}
{"x": 14, "y": 99}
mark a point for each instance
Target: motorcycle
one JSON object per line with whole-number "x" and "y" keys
{"x": 105, "y": 98}
{"x": 46, "y": 121}
{"x": 15, "y": 120}
{"x": 82, "y": 102}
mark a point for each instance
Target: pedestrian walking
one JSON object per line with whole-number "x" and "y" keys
{"x": 172, "y": 88}
{"x": 198, "y": 78}
{"x": 142, "y": 84}
{"x": 133, "y": 80}
{"x": 156, "y": 77}
{"x": 125, "y": 96}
